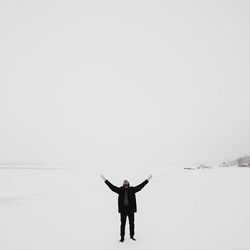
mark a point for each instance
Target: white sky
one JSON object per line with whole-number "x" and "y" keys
{"x": 124, "y": 82}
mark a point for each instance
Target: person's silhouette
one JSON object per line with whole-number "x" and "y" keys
{"x": 126, "y": 203}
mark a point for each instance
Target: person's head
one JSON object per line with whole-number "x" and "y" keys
{"x": 125, "y": 184}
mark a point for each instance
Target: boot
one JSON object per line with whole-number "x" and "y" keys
{"x": 122, "y": 239}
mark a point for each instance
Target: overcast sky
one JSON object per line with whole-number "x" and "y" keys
{"x": 124, "y": 82}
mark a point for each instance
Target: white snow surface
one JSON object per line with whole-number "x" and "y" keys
{"x": 50, "y": 209}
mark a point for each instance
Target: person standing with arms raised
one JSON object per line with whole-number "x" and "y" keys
{"x": 126, "y": 203}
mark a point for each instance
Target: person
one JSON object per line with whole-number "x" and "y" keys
{"x": 126, "y": 203}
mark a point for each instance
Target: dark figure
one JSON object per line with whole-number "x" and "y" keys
{"x": 126, "y": 203}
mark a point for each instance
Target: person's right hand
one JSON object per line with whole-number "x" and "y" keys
{"x": 103, "y": 177}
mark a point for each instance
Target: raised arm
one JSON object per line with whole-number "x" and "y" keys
{"x": 110, "y": 185}
{"x": 142, "y": 185}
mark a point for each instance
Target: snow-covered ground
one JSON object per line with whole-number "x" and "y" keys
{"x": 180, "y": 209}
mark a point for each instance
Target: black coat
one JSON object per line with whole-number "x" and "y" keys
{"x": 131, "y": 195}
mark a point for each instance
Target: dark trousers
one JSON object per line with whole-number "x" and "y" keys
{"x": 126, "y": 212}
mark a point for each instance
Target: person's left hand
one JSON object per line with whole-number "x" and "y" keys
{"x": 149, "y": 177}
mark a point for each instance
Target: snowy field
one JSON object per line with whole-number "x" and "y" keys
{"x": 50, "y": 209}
